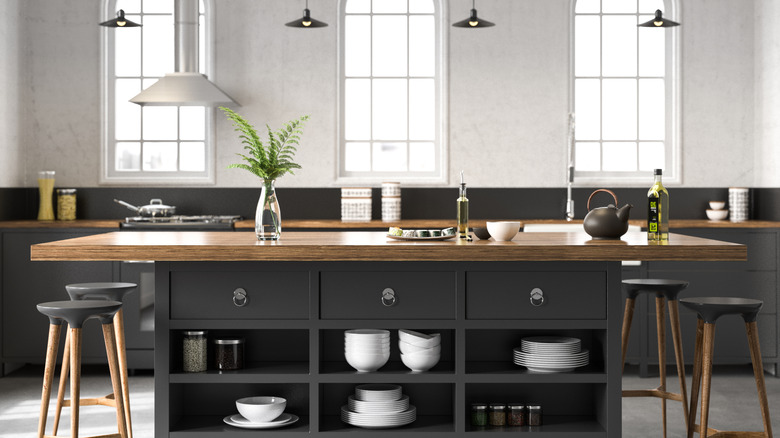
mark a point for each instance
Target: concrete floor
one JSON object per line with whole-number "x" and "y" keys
{"x": 734, "y": 404}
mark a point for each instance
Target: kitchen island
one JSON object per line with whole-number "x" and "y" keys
{"x": 292, "y": 299}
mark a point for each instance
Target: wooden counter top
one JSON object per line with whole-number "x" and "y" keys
{"x": 375, "y": 246}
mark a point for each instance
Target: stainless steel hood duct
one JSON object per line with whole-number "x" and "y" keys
{"x": 185, "y": 87}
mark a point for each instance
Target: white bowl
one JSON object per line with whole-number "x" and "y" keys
{"x": 366, "y": 350}
{"x": 717, "y": 205}
{"x": 412, "y": 349}
{"x": 717, "y": 215}
{"x": 261, "y": 409}
{"x": 364, "y": 341}
{"x": 435, "y": 351}
{"x": 419, "y": 339}
{"x": 367, "y": 333}
{"x": 365, "y": 362}
{"x": 418, "y": 362}
{"x": 503, "y": 230}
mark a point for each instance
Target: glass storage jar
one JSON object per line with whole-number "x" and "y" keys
{"x": 497, "y": 414}
{"x": 515, "y": 414}
{"x": 229, "y": 353}
{"x": 66, "y": 204}
{"x": 534, "y": 414}
{"x": 479, "y": 414}
{"x": 194, "y": 352}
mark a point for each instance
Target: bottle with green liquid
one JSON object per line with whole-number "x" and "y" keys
{"x": 657, "y": 211}
{"x": 463, "y": 211}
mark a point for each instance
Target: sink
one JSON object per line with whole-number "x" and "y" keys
{"x": 564, "y": 228}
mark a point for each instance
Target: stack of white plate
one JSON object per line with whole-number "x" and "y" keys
{"x": 419, "y": 351}
{"x": 367, "y": 350}
{"x": 378, "y": 406}
{"x": 550, "y": 354}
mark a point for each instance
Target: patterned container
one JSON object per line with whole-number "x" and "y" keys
{"x": 355, "y": 204}
{"x": 739, "y": 204}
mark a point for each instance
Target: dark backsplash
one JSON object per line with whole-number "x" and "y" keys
{"x": 417, "y": 203}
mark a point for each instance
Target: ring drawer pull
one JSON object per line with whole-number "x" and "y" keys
{"x": 388, "y": 297}
{"x": 239, "y": 297}
{"x": 537, "y": 297}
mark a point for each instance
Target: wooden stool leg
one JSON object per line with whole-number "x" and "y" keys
{"x": 75, "y": 380}
{"x": 119, "y": 331}
{"x": 696, "y": 377}
{"x": 709, "y": 347}
{"x": 758, "y": 373}
{"x": 63, "y": 381}
{"x": 628, "y": 315}
{"x": 674, "y": 320}
{"x": 660, "y": 321}
{"x": 48, "y": 375}
{"x": 113, "y": 366}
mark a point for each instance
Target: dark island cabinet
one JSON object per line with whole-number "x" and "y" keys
{"x": 755, "y": 278}
{"x": 293, "y": 315}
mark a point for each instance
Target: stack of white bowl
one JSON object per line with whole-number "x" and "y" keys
{"x": 419, "y": 351}
{"x": 366, "y": 350}
{"x": 378, "y": 406}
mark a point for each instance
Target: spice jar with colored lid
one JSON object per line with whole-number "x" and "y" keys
{"x": 534, "y": 414}
{"x": 479, "y": 414}
{"x": 497, "y": 414}
{"x": 229, "y": 353}
{"x": 516, "y": 414}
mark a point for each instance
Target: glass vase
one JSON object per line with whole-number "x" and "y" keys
{"x": 268, "y": 218}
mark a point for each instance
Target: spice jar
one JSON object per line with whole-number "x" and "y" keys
{"x": 516, "y": 414}
{"x": 479, "y": 414}
{"x": 229, "y": 353}
{"x": 497, "y": 414}
{"x": 534, "y": 414}
{"x": 66, "y": 204}
{"x": 194, "y": 351}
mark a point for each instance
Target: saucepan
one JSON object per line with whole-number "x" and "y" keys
{"x": 155, "y": 208}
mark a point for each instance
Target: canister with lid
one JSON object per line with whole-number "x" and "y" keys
{"x": 516, "y": 414}
{"x": 66, "y": 204}
{"x": 229, "y": 353}
{"x": 479, "y": 414}
{"x": 534, "y": 414}
{"x": 497, "y": 414}
{"x": 194, "y": 351}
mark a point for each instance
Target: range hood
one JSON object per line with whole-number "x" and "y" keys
{"x": 185, "y": 87}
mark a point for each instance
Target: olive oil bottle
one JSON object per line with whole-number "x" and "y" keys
{"x": 463, "y": 210}
{"x": 657, "y": 211}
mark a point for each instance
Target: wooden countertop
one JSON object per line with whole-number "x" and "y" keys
{"x": 375, "y": 246}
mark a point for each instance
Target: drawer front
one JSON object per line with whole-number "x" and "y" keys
{"x": 507, "y": 295}
{"x": 210, "y": 295}
{"x": 359, "y": 295}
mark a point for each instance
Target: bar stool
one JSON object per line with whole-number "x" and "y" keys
{"x": 111, "y": 291}
{"x": 74, "y": 313}
{"x": 709, "y": 310}
{"x": 668, "y": 290}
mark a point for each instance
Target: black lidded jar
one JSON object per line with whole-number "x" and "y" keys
{"x": 229, "y": 353}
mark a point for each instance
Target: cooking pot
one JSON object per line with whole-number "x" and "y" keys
{"x": 155, "y": 208}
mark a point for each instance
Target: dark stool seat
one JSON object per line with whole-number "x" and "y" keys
{"x": 100, "y": 291}
{"x": 664, "y": 290}
{"x": 75, "y": 313}
{"x": 709, "y": 309}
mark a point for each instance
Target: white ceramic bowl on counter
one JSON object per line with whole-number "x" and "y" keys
{"x": 503, "y": 231}
{"x": 717, "y": 205}
{"x": 717, "y": 215}
{"x": 261, "y": 409}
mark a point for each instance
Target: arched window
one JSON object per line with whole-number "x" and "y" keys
{"x": 625, "y": 91}
{"x": 152, "y": 144}
{"x": 392, "y": 91}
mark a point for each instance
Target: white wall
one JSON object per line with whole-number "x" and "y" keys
{"x": 767, "y": 76}
{"x": 508, "y": 90}
{"x": 11, "y": 167}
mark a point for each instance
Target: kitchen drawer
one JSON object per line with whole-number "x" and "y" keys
{"x": 507, "y": 295}
{"x": 758, "y": 285}
{"x": 359, "y": 295}
{"x": 209, "y": 295}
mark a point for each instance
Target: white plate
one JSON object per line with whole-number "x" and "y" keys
{"x": 237, "y": 420}
{"x": 378, "y": 407}
{"x": 550, "y": 370}
{"x": 378, "y": 392}
{"x": 378, "y": 421}
{"x": 377, "y": 333}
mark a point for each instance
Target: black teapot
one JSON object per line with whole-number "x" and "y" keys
{"x": 607, "y": 222}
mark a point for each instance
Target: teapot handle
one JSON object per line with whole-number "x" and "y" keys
{"x": 603, "y": 190}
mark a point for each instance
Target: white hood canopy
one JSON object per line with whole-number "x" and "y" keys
{"x": 185, "y": 87}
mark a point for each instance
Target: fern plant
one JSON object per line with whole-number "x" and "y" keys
{"x": 275, "y": 158}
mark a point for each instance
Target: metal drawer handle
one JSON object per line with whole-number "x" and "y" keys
{"x": 537, "y": 297}
{"x": 239, "y": 297}
{"x": 388, "y": 297}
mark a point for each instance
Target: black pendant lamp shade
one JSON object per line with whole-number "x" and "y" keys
{"x": 473, "y": 21}
{"x": 659, "y": 21}
{"x": 120, "y": 21}
{"x": 306, "y": 21}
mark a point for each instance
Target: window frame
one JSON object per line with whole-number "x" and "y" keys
{"x": 442, "y": 118}
{"x": 672, "y": 78}
{"x": 108, "y": 174}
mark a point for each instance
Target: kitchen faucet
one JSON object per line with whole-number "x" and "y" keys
{"x": 570, "y": 170}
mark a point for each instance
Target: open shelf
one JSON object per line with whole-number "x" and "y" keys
{"x": 580, "y": 426}
{"x": 272, "y": 371}
{"x": 423, "y": 424}
{"x": 208, "y": 425}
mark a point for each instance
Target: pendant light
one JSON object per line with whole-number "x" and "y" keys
{"x": 306, "y": 21}
{"x": 473, "y": 21}
{"x": 659, "y": 21}
{"x": 120, "y": 21}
